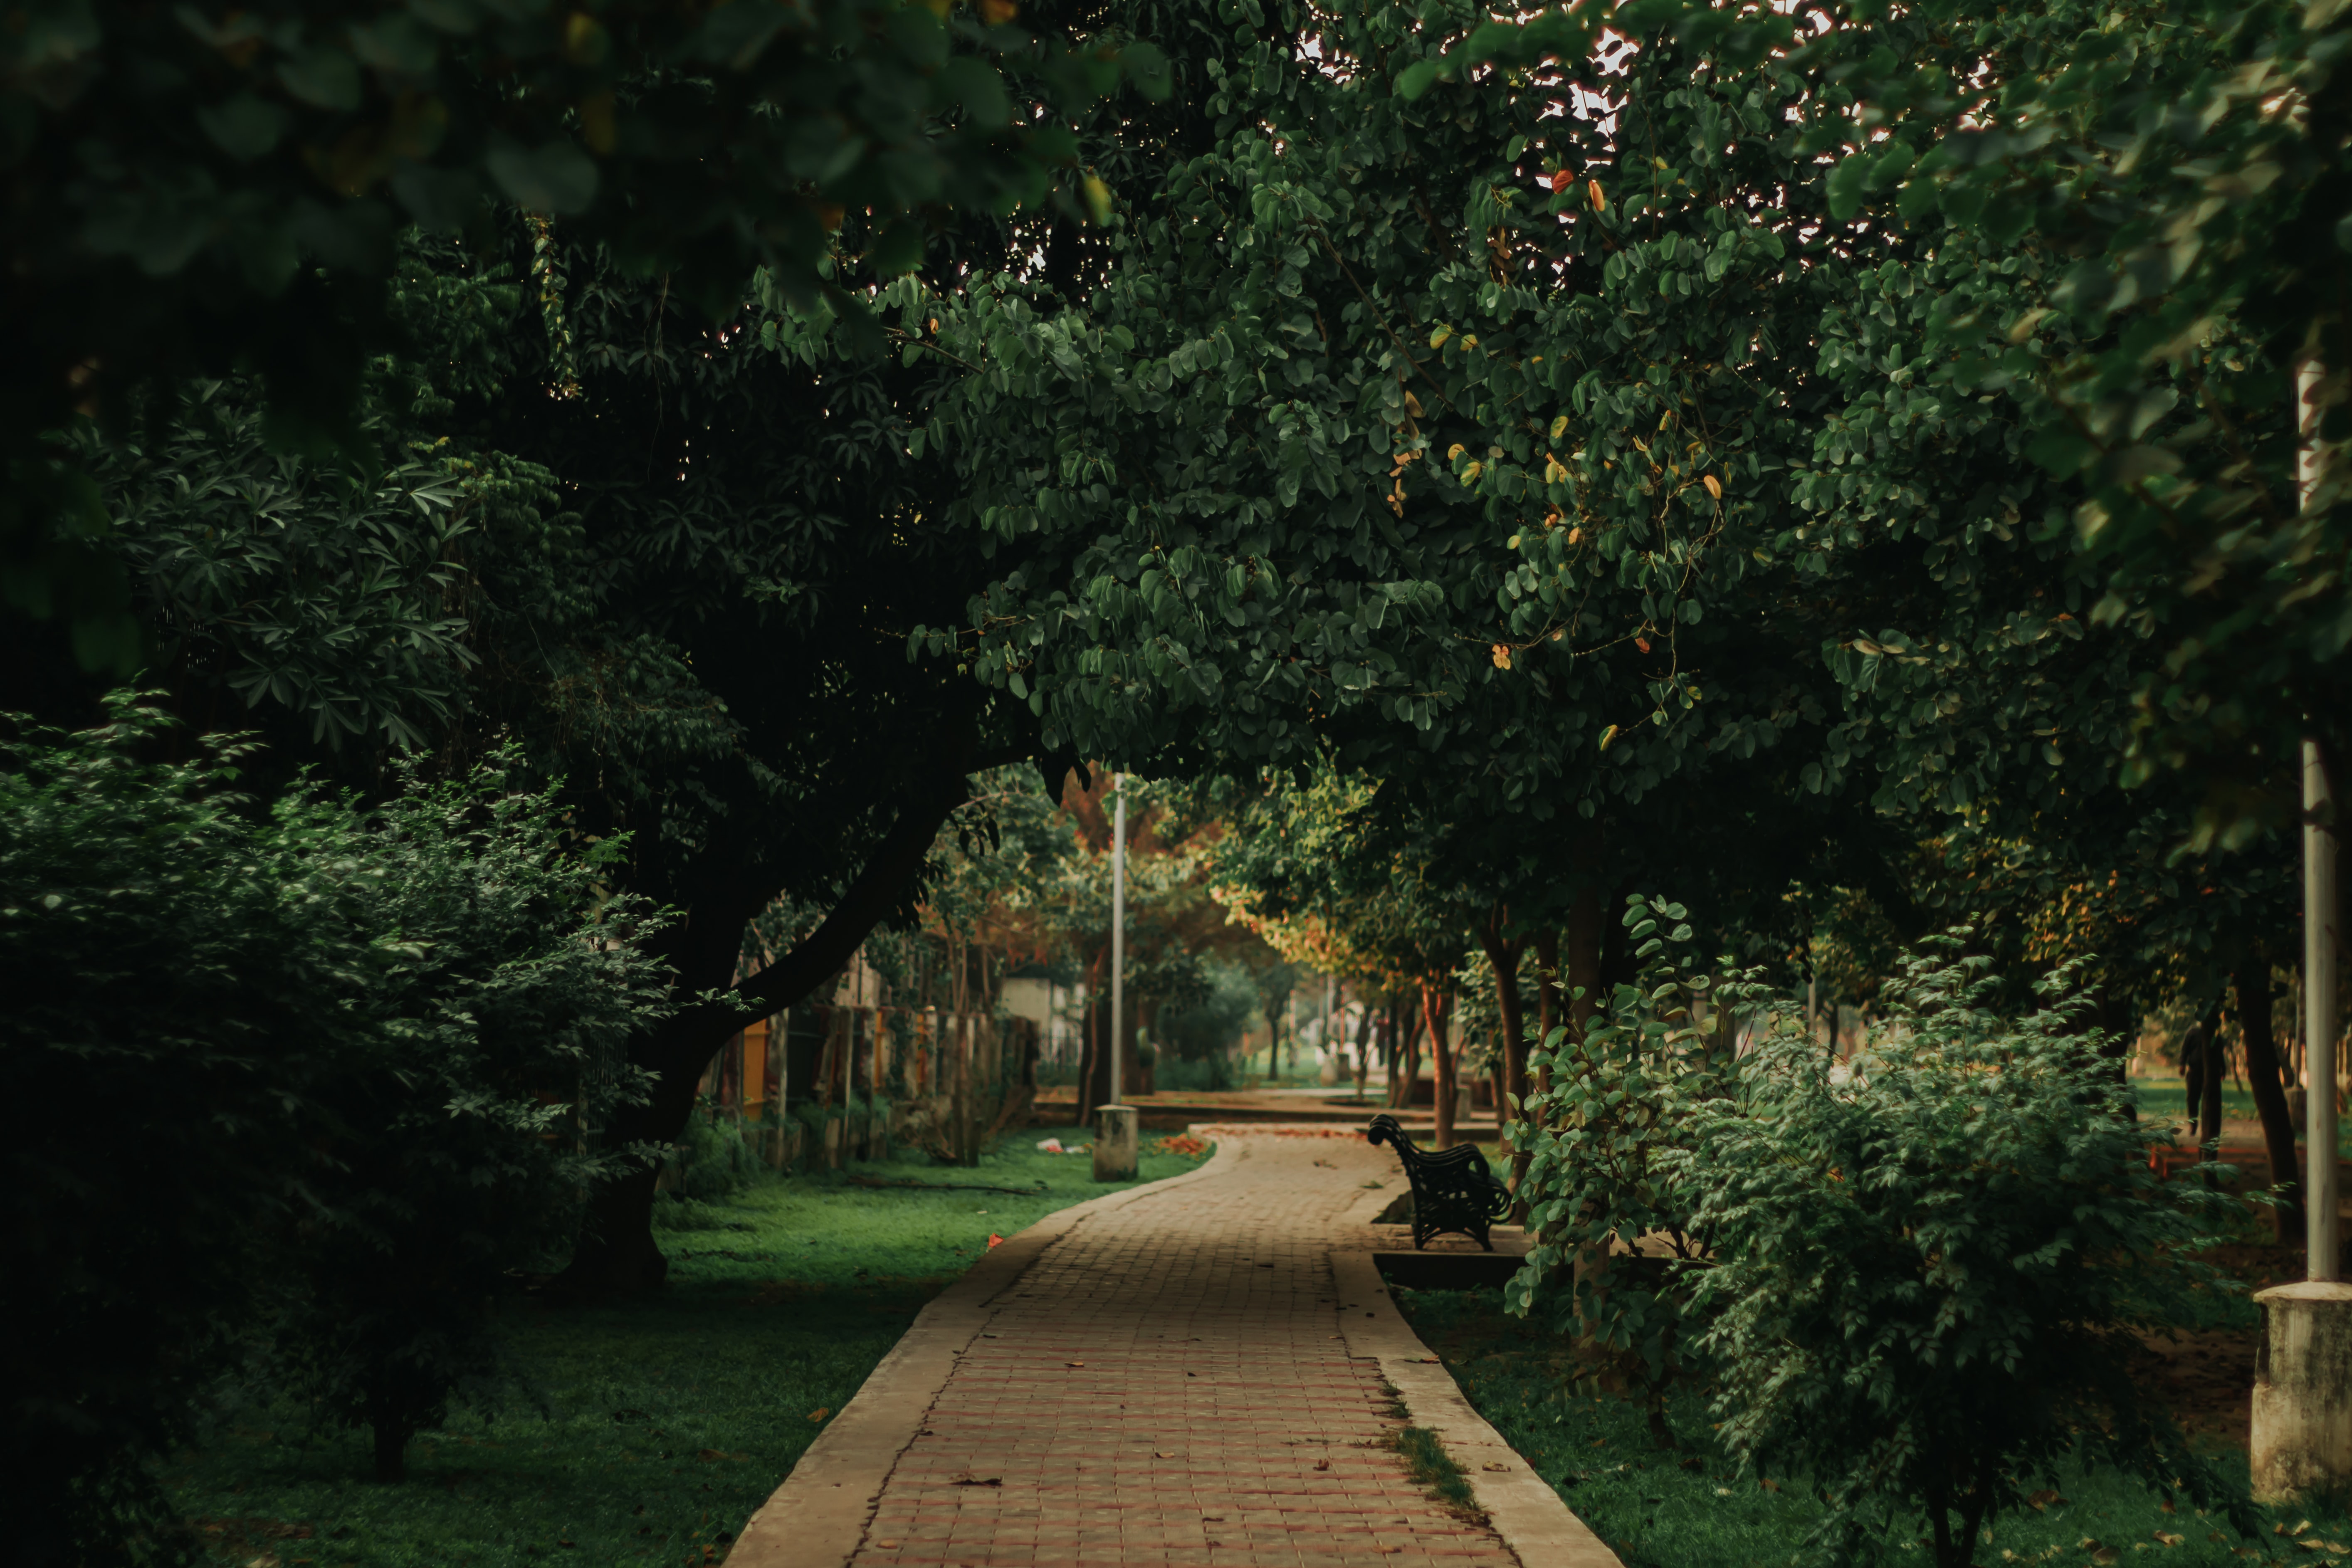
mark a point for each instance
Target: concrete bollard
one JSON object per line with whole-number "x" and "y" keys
{"x": 2303, "y": 1391}
{"x": 1114, "y": 1129}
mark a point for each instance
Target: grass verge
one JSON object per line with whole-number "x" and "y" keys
{"x": 1431, "y": 1467}
{"x": 662, "y": 1424}
{"x": 1686, "y": 1508}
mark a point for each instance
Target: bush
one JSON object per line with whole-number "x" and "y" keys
{"x": 169, "y": 957}
{"x": 1930, "y": 1265}
{"x": 711, "y": 1160}
{"x": 1611, "y": 1200}
{"x": 464, "y": 1149}
{"x": 1916, "y": 1278}
{"x": 349, "y": 1053}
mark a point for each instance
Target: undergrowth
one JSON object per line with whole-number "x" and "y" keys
{"x": 667, "y": 1421}
{"x": 1431, "y": 1467}
{"x": 1688, "y": 1507}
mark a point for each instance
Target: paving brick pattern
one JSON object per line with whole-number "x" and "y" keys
{"x": 1167, "y": 1387}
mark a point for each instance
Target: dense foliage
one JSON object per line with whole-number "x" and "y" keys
{"x": 335, "y": 1044}
{"x": 1929, "y": 1265}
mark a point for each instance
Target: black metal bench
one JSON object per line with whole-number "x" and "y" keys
{"x": 1452, "y": 1189}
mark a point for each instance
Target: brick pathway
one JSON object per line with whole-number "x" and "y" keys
{"x": 1167, "y": 1387}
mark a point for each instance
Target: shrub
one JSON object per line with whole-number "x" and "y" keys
{"x": 351, "y": 1054}
{"x": 169, "y": 957}
{"x": 464, "y": 1151}
{"x": 711, "y": 1160}
{"x": 1916, "y": 1278}
{"x": 1928, "y": 1265}
{"x": 1611, "y": 1201}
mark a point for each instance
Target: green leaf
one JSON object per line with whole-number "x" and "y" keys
{"x": 553, "y": 179}
{"x": 243, "y": 127}
{"x": 1847, "y": 183}
{"x": 322, "y": 78}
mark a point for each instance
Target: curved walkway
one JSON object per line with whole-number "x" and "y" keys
{"x": 1199, "y": 1373}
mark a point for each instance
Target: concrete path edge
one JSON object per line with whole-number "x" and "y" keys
{"x": 817, "y": 1517}
{"x": 1526, "y": 1512}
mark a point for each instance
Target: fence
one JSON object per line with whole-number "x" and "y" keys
{"x": 818, "y": 1086}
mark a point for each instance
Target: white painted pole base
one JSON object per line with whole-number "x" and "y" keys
{"x": 2303, "y": 1391}
{"x": 1115, "y": 1133}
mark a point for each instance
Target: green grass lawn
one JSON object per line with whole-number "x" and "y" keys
{"x": 666, "y": 1421}
{"x": 1663, "y": 1509}
{"x": 2169, "y": 1097}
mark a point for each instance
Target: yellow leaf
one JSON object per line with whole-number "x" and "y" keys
{"x": 1558, "y": 426}
{"x": 1712, "y": 489}
{"x": 1437, "y": 338}
{"x": 1592, "y": 188}
{"x": 1502, "y": 655}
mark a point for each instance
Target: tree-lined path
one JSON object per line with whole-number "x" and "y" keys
{"x": 1202, "y": 1373}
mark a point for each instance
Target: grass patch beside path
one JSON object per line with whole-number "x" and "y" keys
{"x": 668, "y": 1420}
{"x": 1662, "y": 1508}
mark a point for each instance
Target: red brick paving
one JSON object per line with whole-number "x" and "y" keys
{"x": 1166, "y": 1387}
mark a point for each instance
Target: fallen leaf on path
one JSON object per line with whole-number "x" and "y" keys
{"x": 1074, "y": 1363}
{"x": 887, "y": 1545}
{"x": 970, "y": 1480}
{"x": 1322, "y": 1464}
{"x": 1164, "y": 1454}
{"x": 1494, "y": 1465}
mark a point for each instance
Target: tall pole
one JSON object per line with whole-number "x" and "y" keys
{"x": 2320, "y": 916}
{"x": 1118, "y": 938}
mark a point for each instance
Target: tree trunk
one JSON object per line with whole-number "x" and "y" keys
{"x": 616, "y": 1255}
{"x": 1549, "y": 997}
{"x": 2209, "y": 1110}
{"x": 391, "y": 1456}
{"x": 2252, "y": 982}
{"x": 1408, "y": 1059}
{"x": 1363, "y": 1050}
{"x": 1584, "y": 955}
{"x": 1511, "y": 1079}
{"x": 2192, "y": 1076}
{"x": 1435, "y": 1004}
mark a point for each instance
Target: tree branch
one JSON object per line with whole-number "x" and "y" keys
{"x": 895, "y": 861}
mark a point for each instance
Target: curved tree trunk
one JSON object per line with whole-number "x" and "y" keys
{"x": 2252, "y": 984}
{"x": 2209, "y": 1110}
{"x": 1503, "y": 954}
{"x": 1437, "y": 1003}
{"x": 1406, "y": 1065}
{"x": 616, "y": 1255}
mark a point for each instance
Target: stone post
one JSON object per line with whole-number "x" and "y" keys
{"x": 1114, "y": 1129}
{"x": 2303, "y": 1390}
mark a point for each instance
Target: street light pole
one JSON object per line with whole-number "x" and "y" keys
{"x": 1119, "y": 938}
{"x": 2320, "y": 1240}
{"x": 1116, "y": 1123}
{"x": 2303, "y": 1373}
